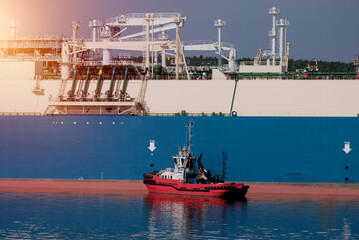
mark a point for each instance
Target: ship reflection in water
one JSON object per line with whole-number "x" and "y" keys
{"x": 30, "y": 214}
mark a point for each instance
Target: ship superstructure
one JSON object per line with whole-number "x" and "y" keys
{"x": 67, "y": 75}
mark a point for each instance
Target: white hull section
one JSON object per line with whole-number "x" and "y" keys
{"x": 252, "y": 97}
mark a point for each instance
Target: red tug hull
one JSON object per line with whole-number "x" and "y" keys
{"x": 188, "y": 179}
{"x": 171, "y": 186}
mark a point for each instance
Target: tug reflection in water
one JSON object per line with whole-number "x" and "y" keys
{"x": 184, "y": 217}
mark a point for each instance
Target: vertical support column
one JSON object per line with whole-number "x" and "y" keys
{"x": 94, "y": 34}
{"x": 13, "y": 25}
{"x": 106, "y": 54}
{"x": 66, "y": 63}
{"x": 220, "y": 46}
{"x": 281, "y": 42}
{"x": 163, "y": 59}
{"x": 219, "y": 24}
{"x": 148, "y": 19}
{"x": 282, "y": 23}
{"x": 152, "y": 39}
{"x": 234, "y": 95}
{"x": 274, "y": 33}
{"x": 94, "y": 24}
{"x": 87, "y": 84}
{"x": 163, "y": 36}
{"x": 177, "y": 21}
{"x": 65, "y": 68}
{"x": 106, "y": 34}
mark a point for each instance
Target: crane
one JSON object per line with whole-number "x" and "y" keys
{"x": 286, "y": 57}
{"x": 258, "y": 57}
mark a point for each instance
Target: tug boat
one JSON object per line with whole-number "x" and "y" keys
{"x": 188, "y": 179}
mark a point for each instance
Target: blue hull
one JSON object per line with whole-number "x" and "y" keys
{"x": 261, "y": 149}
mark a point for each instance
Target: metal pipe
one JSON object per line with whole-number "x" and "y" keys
{"x": 99, "y": 83}
{"x": 152, "y": 19}
{"x": 177, "y": 21}
{"x": 94, "y": 24}
{"x": 74, "y": 83}
{"x": 163, "y": 36}
{"x": 219, "y": 24}
{"x": 282, "y": 23}
{"x": 234, "y": 95}
{"x": 220, "y": 46}
{"x": 87, "y": 84}
{"x": 106, "y": 54}
{"x": 66, "y": 61}
{"x": 281, "y": 39}
{"x": 148, "y": 18}
{"x": 106, "y": 33}
{"x": 163, "y": 59}
{"x": 125, "y": 83}
{"x": 13, "y": 25}
{"x": 274, "y": 35}
{"x": 113, "y": 79}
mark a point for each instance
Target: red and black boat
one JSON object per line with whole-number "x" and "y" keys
{"x": 190, "y": 178}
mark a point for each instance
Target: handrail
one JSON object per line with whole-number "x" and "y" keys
{"x": 122, "y": 18}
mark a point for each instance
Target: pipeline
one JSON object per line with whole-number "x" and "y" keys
{"x": 112, "y": 84}
{"x": 73, "y": 87}
{"x": 87, "y": 84}
{"x": 234, "y": 95}
{"x": 125, "y": 83}
{"x": 99, "y": 84}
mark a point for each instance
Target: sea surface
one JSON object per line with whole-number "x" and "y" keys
{"x": 61, "y": 214}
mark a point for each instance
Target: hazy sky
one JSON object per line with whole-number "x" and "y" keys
{"x": 321, "y": 29}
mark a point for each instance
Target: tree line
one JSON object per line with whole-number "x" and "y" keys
{"x": 323, "y": 66}
{"x": 299, "y": 64}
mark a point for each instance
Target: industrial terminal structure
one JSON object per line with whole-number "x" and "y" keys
{"x": 271, "y": 65}
{"x": 75, "y": 75}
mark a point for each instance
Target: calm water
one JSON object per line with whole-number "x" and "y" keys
{"x": 28, "y": 214}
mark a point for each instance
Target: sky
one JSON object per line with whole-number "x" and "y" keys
{"x": 321, "y": 29}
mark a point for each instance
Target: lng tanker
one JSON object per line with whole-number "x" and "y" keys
{"x": 70, "y": 112}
